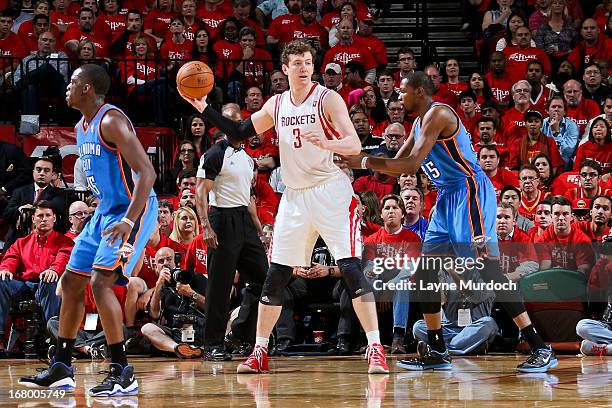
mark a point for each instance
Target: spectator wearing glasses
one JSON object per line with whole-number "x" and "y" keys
{"x": 393, "y": 137}
{"x": 77, "y": 214}
{"x": 513, "y": 121}
{"x": 333, "y": 79}
{"x": 406, "y": 64}
{"x": 531, "y": 195}
{"x": 590, "y": 183}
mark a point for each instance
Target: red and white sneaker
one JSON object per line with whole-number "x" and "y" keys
{"x": 376, "y": 359}
{"x": 256, "y": 363}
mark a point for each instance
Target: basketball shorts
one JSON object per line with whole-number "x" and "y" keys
{"x": 328, "y": 210}
{"x": 463, "y": 221}
{"x": 92, "y": 251}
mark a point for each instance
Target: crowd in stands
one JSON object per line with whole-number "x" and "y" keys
{"x": 539, "y": 112}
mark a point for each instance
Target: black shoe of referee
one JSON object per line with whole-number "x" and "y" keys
{"x": 427, "y": 359}
{"x": 217, "y": 354}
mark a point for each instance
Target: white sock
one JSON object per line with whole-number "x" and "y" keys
{"x": 261, "y": 341}
{"x": 373, "y": 337}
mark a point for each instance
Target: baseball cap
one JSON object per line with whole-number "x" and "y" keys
{"x": 533, "y": 113}
{"x": 581, "y": 204}
{"x": 333, "y": 67}
{"x": 365, "y": 15}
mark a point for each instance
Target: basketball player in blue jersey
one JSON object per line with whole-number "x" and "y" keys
{"x": 463, "y": 221}
{"x": 119, "y": 173}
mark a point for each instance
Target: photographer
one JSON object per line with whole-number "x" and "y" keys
{"x": 177, "y": 302}
{"x": 597, "y": 334}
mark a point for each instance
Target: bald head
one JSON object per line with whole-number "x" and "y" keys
{"x": 572, "y": 92}
{"x": 394, "y": 136}
{"x": 164, "y": 258}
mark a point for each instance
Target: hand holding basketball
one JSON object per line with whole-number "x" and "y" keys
{"x": 194, "y": 81}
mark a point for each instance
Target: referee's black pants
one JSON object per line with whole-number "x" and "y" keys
{"x": 239, "y": 248}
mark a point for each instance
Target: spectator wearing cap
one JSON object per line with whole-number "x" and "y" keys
{"x": 561, "y": 129}
{"x": 517, "y": 254}
{"x": 488, "y": 159}
{"x": 365, "y": 22}
{"x": 303, "y": 25}
{"x": 598, "y": 146}
{"x": 600, "y": 211}
{"x": 487, "y": 134}
{"x": 34, "y": 264}
{"x": 467, "y": 111}
{"x": 513, "y": 121}
{"x": 512, "y": 195}
{"x": 579, "y": 109}
{"x": 498, "y": 80}
{"x": 590, "y": 185}
{"x": 531, "y": 195}
{"x": 393, "y": 136}
{"x": 440, "y": 95}
{"x": 563, "y": 245}
{"x": 534, "y": 143}
{"x": 348, "y": 49}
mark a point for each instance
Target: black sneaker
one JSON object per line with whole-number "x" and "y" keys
{"x": 57, "y": 376}
{"x": 427, "y": 359}
{"x": 540, "y": 361}
{"x": 119, "y": 381}
{"x": 280, "y": 347}
{"x": 217, "y": 354}
{"x": 397, "y": 346}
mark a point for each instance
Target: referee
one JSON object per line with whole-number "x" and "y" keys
{"x": 224, "y": 182}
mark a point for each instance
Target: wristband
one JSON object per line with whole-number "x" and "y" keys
{"x": 128, "y": 222}
{"x": 364, "y": 162}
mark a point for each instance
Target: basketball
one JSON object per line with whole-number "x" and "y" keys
{"x": 195, "y": 79}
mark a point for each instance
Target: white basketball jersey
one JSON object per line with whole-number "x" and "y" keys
{"x": 303, "y": 164}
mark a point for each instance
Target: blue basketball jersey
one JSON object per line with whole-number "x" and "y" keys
{"x": 108, "y": 175}
{"x": 451, "y": 160}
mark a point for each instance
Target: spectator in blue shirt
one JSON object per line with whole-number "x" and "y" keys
{"x": 413, "y": 202}
{"x": 563, "y": 130}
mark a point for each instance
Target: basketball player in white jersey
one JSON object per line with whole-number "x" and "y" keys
{"x": 312, "y": 124}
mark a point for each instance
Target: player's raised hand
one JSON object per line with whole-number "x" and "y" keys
{"x": 354, "y": 162}
{"x": 120, "y": 231}
{"x": 199, "y": 104}
{"x": 316, "y": 138}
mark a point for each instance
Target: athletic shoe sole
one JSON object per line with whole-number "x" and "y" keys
{"x": 551, "y": 364}
{"x": 66, "y": 384}
{"x": 117, "y": 390}
{"x": 186, "y": 352}
{"x": 375, "y": 369}
{"x": 412, "y": 367}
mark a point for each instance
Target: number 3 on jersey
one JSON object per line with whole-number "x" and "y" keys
{"x": 297, "y": 143}
{"x": 431, "y": 168}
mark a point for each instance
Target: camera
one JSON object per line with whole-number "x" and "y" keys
{"x": 178, "y": 275}
{"x": 27, "y": 306}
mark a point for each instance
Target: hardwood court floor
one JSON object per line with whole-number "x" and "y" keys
{"x": 335, "y": 382}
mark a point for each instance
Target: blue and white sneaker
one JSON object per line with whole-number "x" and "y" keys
{"x": 119, "y": 381}
{"x": 427, "y": 359}
{"x": 58, "y": 376}
{"x": 540, "y": 361}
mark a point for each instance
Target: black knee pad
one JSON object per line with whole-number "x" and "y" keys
{"x": 277, "y": 279}
{"x": 352, "y": 276}
{"x": 426, "y": 274}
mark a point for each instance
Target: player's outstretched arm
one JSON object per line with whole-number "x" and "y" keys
{"x": 119, "y": 131}
{"x": 259, "y": 122}
{"x": 408, "y": 160}
{"x": 348, "y": 142}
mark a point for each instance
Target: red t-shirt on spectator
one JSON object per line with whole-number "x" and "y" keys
{"x": 544, "y": 144}
{"x": 454, "y": 88}
{"x": 376, "y": 47}
{"x": 541, "y": 103}
{"x": 590, "y": 150}
{"x": 565, "y": 181}
{"x": 171, "y": 50}
{"x": 585, "y": 227}
{"x": 341, "y": 54}
{"x": 430, "y": 201}
{"x": 567, "y": 252}
{"x": 517, "y": 60}
{"x": 266, "y": 202}
{"x": 196, "y": 256}
{"x": 583, "y": 113}
{"x": 501, "y": 88}
{"x": 100, "y": 41}
{"x": 264, "y": 150}
{"x": 116, "y": 24}
{"x": 381, "y": 187}
{"x": 213, "y": 19}
{"x": 68, "y": 19}
{"x": 583, "y": 54}
{"x": 512, "y": 125}
{"x": 504, "y": 178}
{"x": 516, "y": 250}
{"x": 406, "y": 243}
{"x": 146, "y": 70}
{"x": 159, "y": 22}
{"x": 445, "y": 96}
{"x": 12, "y": 46}
{"x": 528, "y": 207}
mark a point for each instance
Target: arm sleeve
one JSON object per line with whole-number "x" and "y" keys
{"x": 235, "y": 131}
